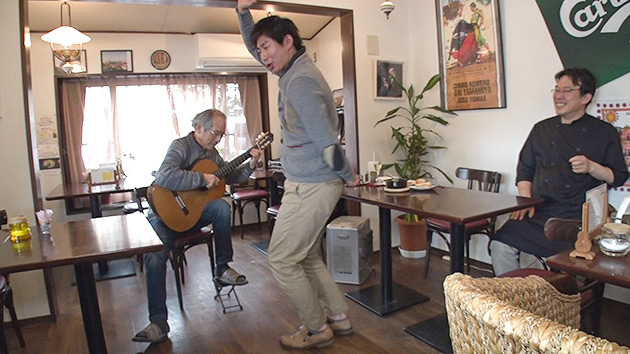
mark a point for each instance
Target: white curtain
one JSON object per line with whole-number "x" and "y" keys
{"x": 135, "y": 118}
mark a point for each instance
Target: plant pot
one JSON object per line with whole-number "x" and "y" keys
{"x": 413, "y": 237}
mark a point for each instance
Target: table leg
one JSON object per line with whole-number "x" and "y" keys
{"x": 89, "y": 308}
{"x": 458, "y": 237}
{"x": 434, "y": 331}
{"x": 387, "y": 297}
{"x": 3, "y": 340}
{"x": 95, "y": 210}
{"x": 95, "y": 206}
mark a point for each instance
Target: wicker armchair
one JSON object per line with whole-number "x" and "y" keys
{"x": 516, "y": 315}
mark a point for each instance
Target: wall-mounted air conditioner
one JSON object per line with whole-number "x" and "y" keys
{"x": 231, "y": 64}
{"x": 224, "y": 52}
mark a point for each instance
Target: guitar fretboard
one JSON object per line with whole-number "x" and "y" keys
{"x": 232, "y": 165}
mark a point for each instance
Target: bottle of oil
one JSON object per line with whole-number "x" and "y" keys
{"x": 19, "y": 229}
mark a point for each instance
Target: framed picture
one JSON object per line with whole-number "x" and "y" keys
{"x": 160, "y": 59}
{"x": 73, "y": 67}
{"x": 385, "y": 73}
{"x": 116, "y": 61}
{"x": 471, "y": 54}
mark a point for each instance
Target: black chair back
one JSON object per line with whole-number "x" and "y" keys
{"x": 487, "y": 181}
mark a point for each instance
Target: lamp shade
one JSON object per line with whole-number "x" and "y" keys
{"x": 387, "y": 7}
{"x": 65, "y": 36}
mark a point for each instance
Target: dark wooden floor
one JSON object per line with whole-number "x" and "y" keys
{"x": 203, "y": 328}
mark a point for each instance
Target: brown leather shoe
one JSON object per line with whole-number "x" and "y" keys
{"x": 303, "y": 340}
{"x": 341, "y": 327}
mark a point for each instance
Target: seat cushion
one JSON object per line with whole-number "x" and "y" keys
{"x": 193, "y": 236}
{"x": 132, "y": 207}
{"x": 250, "y": 194}
{"x": 444, "y": 225}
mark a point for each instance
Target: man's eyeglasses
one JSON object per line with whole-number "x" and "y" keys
{"x": 564, "y": 91}
{"x": 218, "y": 134}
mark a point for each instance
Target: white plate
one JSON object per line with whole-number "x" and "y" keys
{"x": 424, "y": 188}
{"x": 396, "y": 190}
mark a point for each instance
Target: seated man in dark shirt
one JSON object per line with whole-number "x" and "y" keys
{"x": 175, "y": 174}
{"x": 563, "y": 157}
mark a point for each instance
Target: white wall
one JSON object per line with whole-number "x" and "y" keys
{"x": 15, "y": 194}
{"x": 325, "y": 49}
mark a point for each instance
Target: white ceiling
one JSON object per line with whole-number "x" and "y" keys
{"x": 118, "y": 17}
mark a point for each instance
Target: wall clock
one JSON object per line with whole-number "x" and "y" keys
{"x": 160, "y": 59}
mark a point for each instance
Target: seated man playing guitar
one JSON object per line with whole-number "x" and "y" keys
{"x": 177, "y": 175}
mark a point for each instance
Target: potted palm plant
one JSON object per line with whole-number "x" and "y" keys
{"x": 413, "y": 141}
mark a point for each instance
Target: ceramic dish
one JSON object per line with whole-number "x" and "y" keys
{"x": 424, "y": 188}
{"x": 396, "y": 190}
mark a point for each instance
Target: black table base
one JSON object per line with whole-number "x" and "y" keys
{"x": 372, "y": 299}
{"x": 120, "y": 268}
{"x": 261, "y": 246}
{"x": 434, "y": 332}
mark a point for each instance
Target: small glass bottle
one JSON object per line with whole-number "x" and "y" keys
{"x": 19, "y": 229}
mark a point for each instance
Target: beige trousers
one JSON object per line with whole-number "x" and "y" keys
{"x": 295, "y": 256}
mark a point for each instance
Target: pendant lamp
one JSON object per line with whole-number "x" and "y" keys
{"x": 66, "y": 42}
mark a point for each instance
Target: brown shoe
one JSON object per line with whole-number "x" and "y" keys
{"x": 302, "y": 339}
{"x": 340, "y": 327}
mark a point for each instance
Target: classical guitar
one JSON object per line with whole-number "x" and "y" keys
{"x": 180, "y": 210}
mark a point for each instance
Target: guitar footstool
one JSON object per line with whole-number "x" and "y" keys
{"x": 224, "y": 297}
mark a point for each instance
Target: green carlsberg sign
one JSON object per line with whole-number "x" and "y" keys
{"x": 594, "y": 34}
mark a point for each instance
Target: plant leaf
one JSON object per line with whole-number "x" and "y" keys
{"x": 432, "y": 82}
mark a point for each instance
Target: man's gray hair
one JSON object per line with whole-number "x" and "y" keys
{"x": 206, "y": 118}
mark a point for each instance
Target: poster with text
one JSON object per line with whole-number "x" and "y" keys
{"x": 471, "y": 59}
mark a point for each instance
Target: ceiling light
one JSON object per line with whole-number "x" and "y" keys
{"x": 66, "y": 42}
{"x": 387, "y": 7}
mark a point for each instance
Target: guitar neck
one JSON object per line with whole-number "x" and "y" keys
{"x": 232, "y": 165}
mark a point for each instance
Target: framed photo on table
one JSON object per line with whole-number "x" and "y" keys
{"x": 385, "y": 74}
{"x": 116, "y": 61}
{"x": 471, "y": 54}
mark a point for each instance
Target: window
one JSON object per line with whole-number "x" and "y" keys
{"x": 137, "y": 122}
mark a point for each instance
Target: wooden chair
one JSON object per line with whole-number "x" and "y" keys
{"x": 185, "y": 242}
{"x": 177, "y": 256}
{"x": 487, "y": 181}
{"x": 242, "y": 195}
{"x": 276, "y": 187}
{"x": 6, "y": 300}
{"x": 516, "y": 315}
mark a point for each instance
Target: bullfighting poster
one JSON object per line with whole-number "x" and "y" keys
{"x": 471, "y": 57}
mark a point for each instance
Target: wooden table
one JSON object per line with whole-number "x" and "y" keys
{"x": 70, "y": 191}
{"x": 603, "y": 268}
{"x": 82, "y": 243}
{"x": 611, "y": 270}
{"x": 459, "y": 207}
